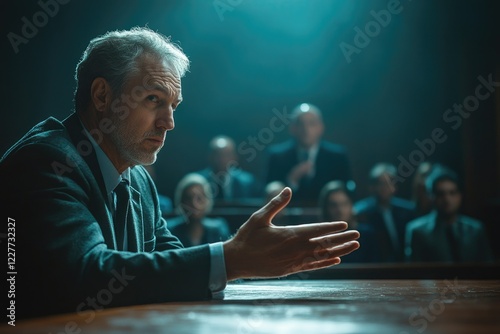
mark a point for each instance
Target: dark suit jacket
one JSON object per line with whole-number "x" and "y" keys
{"x": 65, "y": 241}
{"x": 214, "y": 230}
{"x": 368, "y": 252}
{"x": 402, "y": 212}
{"x": 331, "y": 164}
{"x": 427, "y": 241}
{"x": 243, "y": 184}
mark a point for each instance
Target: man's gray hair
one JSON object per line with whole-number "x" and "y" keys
{"x": 114, "y": 57}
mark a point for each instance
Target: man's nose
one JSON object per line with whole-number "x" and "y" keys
{"x": 166, "y": 119}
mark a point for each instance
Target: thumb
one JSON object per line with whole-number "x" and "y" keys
{"x": 268, "y": 211}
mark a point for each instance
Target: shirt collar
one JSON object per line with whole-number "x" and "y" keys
{"x": 109, "y": 173}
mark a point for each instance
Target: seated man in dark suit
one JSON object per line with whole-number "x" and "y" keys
{"x": 306, "y": 163}
{"x": 194, "y": 201}
{"x": 386, "y": 213}
{"x": 88, "y": 228}
{"x": 335, "y": 203}
{"x": 444, "y": 235}
{"x": 228, "y": 181}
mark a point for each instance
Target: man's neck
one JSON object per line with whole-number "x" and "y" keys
{"x": 91, "y": 125}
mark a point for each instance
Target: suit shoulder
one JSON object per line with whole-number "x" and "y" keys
{"x": 364, "y": 205}
{"x": 281, "y": 148}
{"x": 243, "y": 176}
{"x": 403, "y": 203}
{"x": 471, "y": 222}
{"x": 420, "y": 223}
{"x": 333, "y": 148}
{"x": 45, "y": 135}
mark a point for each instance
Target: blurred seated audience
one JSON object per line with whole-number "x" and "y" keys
{"x": 270, "y": 191}
{"x": 166, "y": 205}
{"x": 227, "y": 180}
{"x": 335, "y": 203}
{"x": 420, "y": 195}
{"x": 387, "y": 214}
{"x": 193, "y": 201}
{"x": 306, "y": 163}
{"x": 444, "y": 235}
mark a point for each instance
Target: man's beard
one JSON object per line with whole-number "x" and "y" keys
{"x": 128, "y": 143}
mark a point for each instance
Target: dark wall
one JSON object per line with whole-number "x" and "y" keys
{"x": 265, "y": 55}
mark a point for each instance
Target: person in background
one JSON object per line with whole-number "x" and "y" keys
{"x": 420, "y": 195}
{"x": 306, "y": 162}
{"x": 335, "y": 204}
{"x": 166, "y": 205}
{"x": 444, "y": 235}
{"x": 227, "y": 180}
{"x": 386, "y": 213}
{"x": 193, "y": 200}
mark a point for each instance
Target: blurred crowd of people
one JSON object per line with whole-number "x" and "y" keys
{"x": 426, "y": 228}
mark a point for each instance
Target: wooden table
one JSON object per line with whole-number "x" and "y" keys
{"x": 303, "y": 306}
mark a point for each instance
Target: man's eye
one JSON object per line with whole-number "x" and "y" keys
{"x": 153, "y": 98}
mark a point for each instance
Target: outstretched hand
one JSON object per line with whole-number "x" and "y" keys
{"x": 261, "y": 249}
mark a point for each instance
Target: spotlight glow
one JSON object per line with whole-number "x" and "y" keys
{"x": 304, "y": 107}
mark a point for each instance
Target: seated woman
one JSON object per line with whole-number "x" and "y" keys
{"x": 193, "y": 201}
{"x": 336, "y": 204}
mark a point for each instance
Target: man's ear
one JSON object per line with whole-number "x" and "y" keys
{"x": 100, "y": 94}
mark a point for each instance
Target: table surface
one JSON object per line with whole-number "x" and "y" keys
{"x": 303, "y": 306}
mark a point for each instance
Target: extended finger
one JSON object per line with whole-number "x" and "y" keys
{"x": 275, "y": 205}
{"x": 310, "y": 231}
{"x": 320, "y": 264}
{"x": 332, "y": 240}
{"x": 337, "y": 251}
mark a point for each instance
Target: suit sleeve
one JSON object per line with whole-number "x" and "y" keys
{"x": 61, "y": 249}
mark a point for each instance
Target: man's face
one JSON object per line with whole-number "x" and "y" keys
{"x": 384, "y": 187}
{"x": 222, "y": 158}
{"x": 447, "y": 198}
{"x": 339, "y": 207}
{"x": 143, "y": 113}
{"x": 307, "y": 129}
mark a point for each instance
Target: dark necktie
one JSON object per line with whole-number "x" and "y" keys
{"x": 453, "y": 242}
{"x": 122, "y": 212}
{"x": 304, "y": 155}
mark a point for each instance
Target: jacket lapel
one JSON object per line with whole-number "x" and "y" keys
{"x": 75, "y": 131}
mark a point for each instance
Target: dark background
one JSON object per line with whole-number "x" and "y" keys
{"x": 266, "y": 54}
